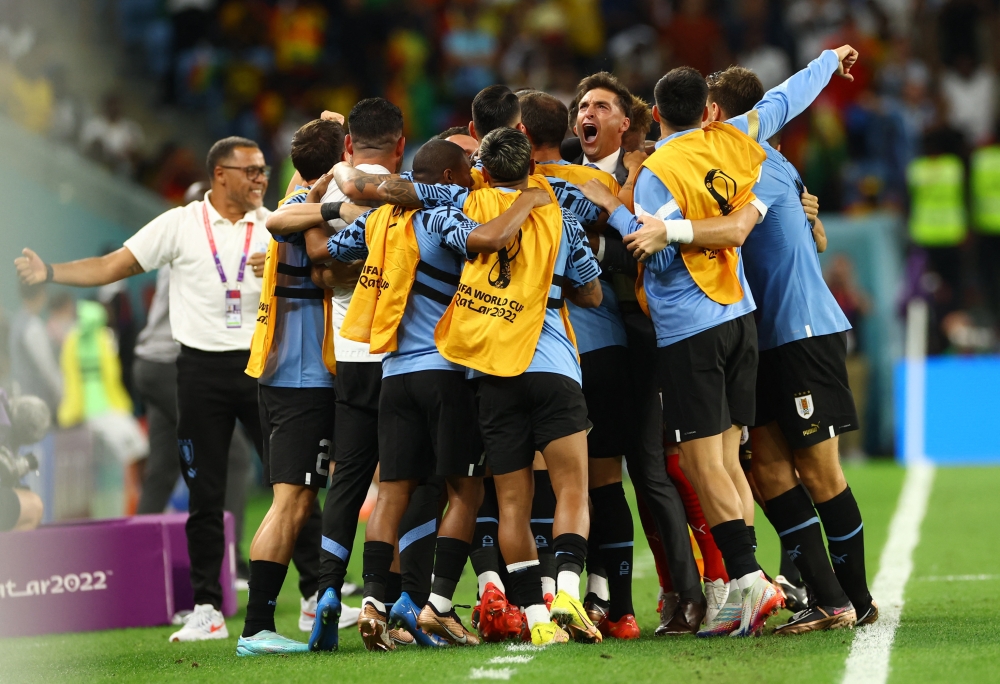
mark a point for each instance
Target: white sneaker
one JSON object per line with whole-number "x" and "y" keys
{"x": 307, "y": 612}
{"x": 348, "y": 616}
{"x": 716, "y": 593}
{"x": 204, "y": 623}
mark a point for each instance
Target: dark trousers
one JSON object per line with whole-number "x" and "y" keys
{"x": 646, "y": 461}
{"x": 356, "y": 456}
{"x": 156, "y": 384}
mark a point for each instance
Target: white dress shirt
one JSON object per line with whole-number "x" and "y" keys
{"x": 608, "y": 164}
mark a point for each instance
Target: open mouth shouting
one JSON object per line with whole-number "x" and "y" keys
{"x": 590, "y": 133}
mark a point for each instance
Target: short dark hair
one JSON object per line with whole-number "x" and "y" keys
{"x": 506, "y": 154}
{"x": 454, "y": 130}
{"x": 316, "y": 147}
{"x": 544, "y": 118}
{"x": 375, "y": 123}
{"x": 434, "y": 157}
{"x": 607, "y": 81}
{"x": 681, "y": 96}
{"x": 494, "y": 107}
{"x": 223, "y": 150}
{"x": 736, "y": 90}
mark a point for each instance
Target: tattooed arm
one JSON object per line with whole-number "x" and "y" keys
{"x": 587, "y": 296}
{"x": 90, "y": 272}
{"x": 375, "y": 187}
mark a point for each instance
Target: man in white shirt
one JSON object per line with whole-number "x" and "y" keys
{"x": 213, "y": 305}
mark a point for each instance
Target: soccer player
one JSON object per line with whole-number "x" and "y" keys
{"x": 701, "y": 306}
{"x": 503, "y": 325}
{"x": 803, "y": 398}
{"x": 427, "y": 407}
{"x": 291, "y": 357}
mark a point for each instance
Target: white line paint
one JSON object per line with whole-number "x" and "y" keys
{"x": 511, "y": 659}
{"x": 503, "y": 673}
{"x": 958, "y": 578}
{"x": 868, "y": 662}
{"x": 522, "y": 647}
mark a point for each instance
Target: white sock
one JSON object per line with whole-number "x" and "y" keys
{"x": 442, "y": 604}
{"x": 486, "y": 578}
{"x": 569, "y": 582}
{"x": 548, "y": 586}
{"x": 379, "y": 606}
{"x": 660, "y": 597}
{"x": 536, "y": 613}
{"x": 598, "y": 586}
{"x": 747, "y": 580}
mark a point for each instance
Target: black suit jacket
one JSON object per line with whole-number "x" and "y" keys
{"x": 572, "y": 152}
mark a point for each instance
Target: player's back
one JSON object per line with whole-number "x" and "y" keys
{"x": 782, "y": 266}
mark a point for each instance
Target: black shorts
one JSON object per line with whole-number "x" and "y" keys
{"x": 427, "y": 425}
{"x": 608, "y": 393}
{"x": 708, "y": 380}
{"x": 522, "y": 414}
{"x": 10, "y": 508}
{"x": 803, "y": 385}
{"x": 297, "y": 424}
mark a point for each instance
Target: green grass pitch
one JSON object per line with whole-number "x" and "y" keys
{"x": 950, "y": 628}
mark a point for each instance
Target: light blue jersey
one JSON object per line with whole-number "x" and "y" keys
{"x": 678, "y": 307}
{"x": 575, "y": 262}
{"x": 600, "y": 326}
{"x": 296, "y": 356}
{"x": 441, "y": 236}
{"x": 782, "y": 266}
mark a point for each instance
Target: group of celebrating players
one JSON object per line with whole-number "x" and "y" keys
{"x": 504, "y": 326}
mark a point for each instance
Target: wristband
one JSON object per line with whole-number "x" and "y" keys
{"x": 679, "y": 230}
{"x": 330, "y": 210}
{"x": 49, "y": 273}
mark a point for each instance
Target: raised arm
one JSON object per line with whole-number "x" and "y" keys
{"x": 786, "y": 101}
{"x": 494, "y": 235}
{"x": 91, "y": 272}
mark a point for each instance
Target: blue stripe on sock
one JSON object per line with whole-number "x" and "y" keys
{"x": 845, "y": 537}
{"x": 479, "y": 520}
{"x": 417, "y": 533}
{"x": 811, "y": 521}
{"x": 336, "y": 549}
{"x": 543, "y": 520}
{"x": 619, "y": 545}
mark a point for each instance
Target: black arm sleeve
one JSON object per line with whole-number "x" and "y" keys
{"x": 616, "y": 258}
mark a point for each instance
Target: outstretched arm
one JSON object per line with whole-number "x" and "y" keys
{"x": 379, "y": 187}
{"x": 91, "y": 272}
{"x": 494, "y": 235}
{"x": 784, "y": 102}
{"x": 712, "y": 233}
{"x": 294, "y": 218}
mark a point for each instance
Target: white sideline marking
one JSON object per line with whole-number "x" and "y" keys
{"x": 523, "y": 647}
{"x": 868, "y": 661}
{"x": 958, "y": 578}
{"x": 484, "y": 673}
{"x": 502, "y": 660}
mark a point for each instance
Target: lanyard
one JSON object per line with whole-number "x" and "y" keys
{"x": 215, "y": 252}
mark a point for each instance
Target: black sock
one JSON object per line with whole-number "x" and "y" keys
{"x": 417, "y": 537}
{"x": 451, "y": 557}
{"x": 612, "y": 526}
{"x": 753, "y": 537}
{"x": 266, "y": 578}
{"x": 845, "y": 537}
{"x": 789, "y": 571}
{"x": 485, "y": 553}
{"x": 733, "y": 541}
{"x": 393, "y": 588}
{"x": 571, "y": 552}
{"x": 525, "y": 587}
{"x": 794, "y": 517}
{"x": 377, "y": 560}
{"x": 543, "y": 511}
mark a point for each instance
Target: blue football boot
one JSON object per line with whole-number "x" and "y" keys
{"x": 324, "y": 636}
{"x": 404, "y": 613}
{"x": 268, "y": 643}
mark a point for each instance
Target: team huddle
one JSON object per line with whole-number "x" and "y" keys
{"x": 497, "y": 329}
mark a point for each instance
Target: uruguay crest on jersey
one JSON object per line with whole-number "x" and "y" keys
{"x": 804, "y": 405}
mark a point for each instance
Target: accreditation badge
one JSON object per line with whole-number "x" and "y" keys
{"x": 234, "y": 313}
